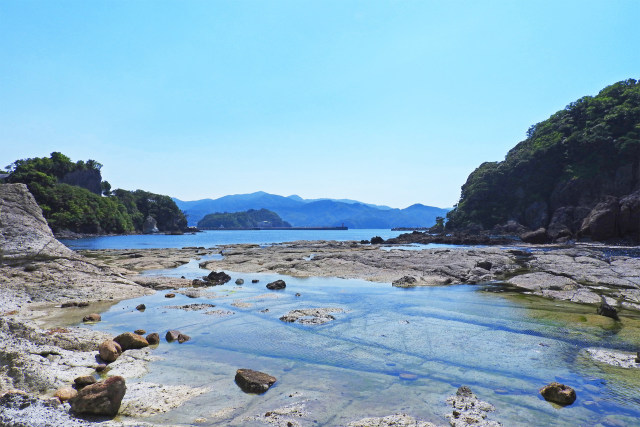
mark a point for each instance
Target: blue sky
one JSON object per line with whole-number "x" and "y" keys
{"x": 389, "y": 102}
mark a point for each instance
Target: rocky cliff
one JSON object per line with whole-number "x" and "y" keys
{"x": 24, "y": 233}
{"x": 576, "y": 175}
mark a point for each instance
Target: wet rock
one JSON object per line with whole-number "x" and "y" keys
{"x": 298, "y": 294}
{"x": 255, "y": 281}
{"x": 183, "y": 338}
{"x": 311, "y": 316}
{"x": 140, "y": 332}
{"x": 217, "y": 278}
{"x": 278, "y": 284}
{"x": 66, "y": 393}
{"x": 109, "y": 351}
{"x": 558, "y": 393}
{"x": 153, "y": 338}
{"x": 614, "y": 357}
{"x": 540, "y": 280}
{"x": 84, "y": 381}
{"x": 468, "y": 410}
{"x": 93, "y": 317}
{"x": 251, "y": 381}
{"x": 174, "y": 335}
{"x": 141, "y": 307}
{"x": 377, "y": 240}
{"x": 192, "y": 307}
{"x": 239, "y": 281}
{"x": 171, "y": 295}
{"x": 538, "y": 236}
{"x": 102, "y": 398}
{"x": 404, "y": 282}
{"x": 604, "y": 309}
{"x": 130, "y": 341}
{"x": 101, "y": 367}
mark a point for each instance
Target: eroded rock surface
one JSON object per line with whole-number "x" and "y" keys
{"x": 311, "y": 316}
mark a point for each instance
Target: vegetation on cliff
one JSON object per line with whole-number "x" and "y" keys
{"x": 566, "y": 165}
{"x": 73, "y": 197}
{"x": 248, "y": 219}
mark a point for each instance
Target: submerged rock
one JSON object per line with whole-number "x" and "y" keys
{"x": 558, "y": 393}
{"x": 277, "y": 285}
{"x": 174, "y": 335}
{"x": 311, "y": 316}
{"x": 102, "y": 398}
{"x": 251, "y": 381}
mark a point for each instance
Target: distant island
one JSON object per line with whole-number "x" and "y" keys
{"x": 252, "y": 219}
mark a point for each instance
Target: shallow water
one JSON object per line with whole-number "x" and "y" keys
{"x": 393, "y": 350}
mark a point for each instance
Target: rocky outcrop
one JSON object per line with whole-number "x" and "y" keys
{"x": 558, "y": 393}
{"x": 150, "y": 225}
{"x": 311, "y": 316}
{"x": 91, "y": 179}
{"x": 103, "y": 398}
{"x": 468, "y": 410}
{"x": 538, "y": 236}
{"x": 251, "y": 381}
{"x": 24, "y": 233}
{"x": 614, "y": 218}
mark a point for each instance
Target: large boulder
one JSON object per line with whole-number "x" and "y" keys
{"x": 129, "y": 340}
{"x": 251, "y": 381}
{"x": 538, "y": 236}
{"x": 558, "y": 393}
{"x": 601, "y": 223}
{"x": 102, "y": 398}
{"x": 217, "y": 278}
{"x": 24, "y": 233}
{"x": 109, "y": 351}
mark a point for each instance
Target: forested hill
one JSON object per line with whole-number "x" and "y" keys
{"x": 249, "y": 219}
{"x": 575, "y": 173}
{"x": 73, "y": 197}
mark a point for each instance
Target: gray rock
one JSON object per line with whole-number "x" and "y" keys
{"x": 404, "y": 282}
{"x": 538, "y": 236}
{"x": 251, "y": 381}
{"x": 468, "y": 410}
{"x": 311, "y": 316}
{"x": 277, "y": 285}
{"x": 540, "y": 280}
{"x": 239, "y": 281}
{"x": 150, "y": 225}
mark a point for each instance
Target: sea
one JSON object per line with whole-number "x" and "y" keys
{"x": 391, "y": 350}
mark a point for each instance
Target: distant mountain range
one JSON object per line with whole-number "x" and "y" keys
{"x": 301, "y": 212}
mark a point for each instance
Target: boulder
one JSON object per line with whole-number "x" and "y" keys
{"x": 377, "y": 240}
{"x": 150, "y": 225}
{"x": 93, "y": 317}
{"x": 102, "y": 398}
{"x": 604, "y": 309}
{"x": 66, "y": 393}
{"x": 536, "y": 215}
{"x": 109, "y": 351}
{"x": 172, "y": 335}
{"x": 278, "y": 284}
{"x": 153, "y": 338}
{"x": 558, "y": 393}
{"x": 84, "y": 381}
{"x": 130, "y": 341}
{"x": 140, "y": 332}
{"x": 485, "y": 265}
{"x": 538, "y": 236}
{"x": 251, "y": 381}
{"x": 601, "y": 223}
{"x": 170, "y": 295}
{"x": 239, "y": 281}
{"x": 101, "y": 367}
{"x": 255, "y": 281}
{"x": 217, "y": 278}
{"x": 141, "y": 307}
{"x": 183, "y": 338}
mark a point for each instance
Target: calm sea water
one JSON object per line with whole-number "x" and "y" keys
{"x": 211, "y": 238}
{"x": 393, "y": 350}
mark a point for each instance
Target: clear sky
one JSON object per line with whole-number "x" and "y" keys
{"x": 389, "y": 102}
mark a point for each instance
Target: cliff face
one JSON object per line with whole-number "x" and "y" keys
{"x": 91, "y": 179}
{"x": 560, "y": 176}
{"x": 24, "y": 233}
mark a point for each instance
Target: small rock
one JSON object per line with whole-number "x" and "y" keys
{"x": 84, "y": 381}
{"x": 251, "y": 381}
{"x": 69, "y": 304}
{"x": 102, "y": 398}
{"x": 484, "y": 265}
{"x": 93, "y": 317}
{"x": 83, "y": 304}
{"x": 239, "y": 281}
{"x": 255, "y": 281}
{"x": 172, "y": 335}
{"x": 558, "y": 393}
{"x": 101, "y": 367}
{"x": 64, "y": 394}
{"x": 130, "y": 341}
{"x": 153, "y": 338}
{"x": 109, "y": 351}
{"x": 278, "y": 284}
{"x": 298, "y": 294}
{"x": 141, "y": 307}
{"x": 183, "y": 338}
{"x": 140, "y": 331}
{"x": 170, "y": 295}
{"x": 604, "y": 309}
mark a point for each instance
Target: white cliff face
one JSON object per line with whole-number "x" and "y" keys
{"x": 24, "y": 233}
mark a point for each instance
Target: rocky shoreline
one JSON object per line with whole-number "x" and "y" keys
{"x": 38, "y": 275}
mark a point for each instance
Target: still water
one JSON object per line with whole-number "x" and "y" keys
{"x": 392, "y": 350}
{"x": 211, "y": 238}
